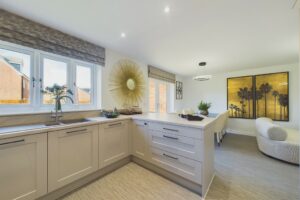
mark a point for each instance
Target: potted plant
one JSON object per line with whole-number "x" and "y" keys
{"x": 58, "y": 93}
{"x": 203, "y": 107}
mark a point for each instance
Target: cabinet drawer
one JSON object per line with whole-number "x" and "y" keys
{"x": 179, "y": 130}
{"x": 177, "y": 144}
{"x": 187, "y": 168}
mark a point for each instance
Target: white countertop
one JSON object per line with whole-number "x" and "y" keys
{"x": 174, "y": 119}
{"x": 14, "y": 131}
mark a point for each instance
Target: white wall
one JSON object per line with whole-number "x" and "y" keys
{"x": 215, "y": 91}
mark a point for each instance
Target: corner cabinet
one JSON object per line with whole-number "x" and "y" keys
{"x": 72, "y": 154}
{"x": 23, "y": 167}
{"x": 140, "y": 145}
{"x": 113, "y": 142}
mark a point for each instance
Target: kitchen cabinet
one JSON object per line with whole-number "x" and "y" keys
{"x": 72, "y": 154}
{"x": 23, "y": 167}
{"x": 113, "y": 142}
{"x": 140, "y": 145}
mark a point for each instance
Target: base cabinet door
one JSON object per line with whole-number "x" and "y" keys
{"x": 140, "y": 146}
{"x": 23, "y": 167}
{"x": 113, "y": 142}
{"x": 72, "y": 154}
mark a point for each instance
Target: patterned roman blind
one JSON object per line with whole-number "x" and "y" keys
{"x": 18, "y": 30}
{"x": 154, "y": 72}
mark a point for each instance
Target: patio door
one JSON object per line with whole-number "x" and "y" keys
{"x": 161, "y": 96}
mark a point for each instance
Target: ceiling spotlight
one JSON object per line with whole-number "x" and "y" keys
{"x": 202, "y": 64}
{"x": 123, "y": 35}
{"x": 167, "y": 9}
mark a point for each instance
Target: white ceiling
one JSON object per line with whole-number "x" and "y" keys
{"x": 227, "y": 34}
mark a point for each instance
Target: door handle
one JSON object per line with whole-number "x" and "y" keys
{"x": 169, "y": 129}
{"x": 115, "y": 124}
{"x": 169, "y": 137}
{"x": 168, "y": 156}
{"x": 77, "y": 131}
{"x": 12, "y": 142}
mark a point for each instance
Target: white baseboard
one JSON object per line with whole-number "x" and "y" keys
{"x": 241, "y": 132}
{"x": 203, "y": 198}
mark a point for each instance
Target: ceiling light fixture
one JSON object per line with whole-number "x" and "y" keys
{"x": 123, "y": 35}
{"x": 202, "y": 78}
{"x": 167, "y": 9}
{"x": 202, "y": 64}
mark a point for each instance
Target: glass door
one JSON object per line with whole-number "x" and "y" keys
{"x": 160, "y": 96}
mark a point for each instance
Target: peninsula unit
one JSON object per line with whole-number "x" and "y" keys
{"x": 79, "y": 153}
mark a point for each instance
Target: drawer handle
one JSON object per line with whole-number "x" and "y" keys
{"x": 169, "y": 137}
{"x": 12, "y": 142}
{"x": 168, "y": 129}
{"x": 115, "y": 124}
{"x": 77, "y": 131}
{"x": 168, "y": 156}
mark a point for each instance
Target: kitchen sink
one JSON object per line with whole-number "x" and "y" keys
{"x": 70, "y": 121}
{"x": 52, "y": 123}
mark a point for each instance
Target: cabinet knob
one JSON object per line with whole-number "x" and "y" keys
{"x": 145, "y": 123}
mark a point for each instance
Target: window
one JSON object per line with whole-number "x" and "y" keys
{"x": 26, "y": 72}
{"x": 83, "y": 91}
{"x": 54, "y": 72}
{"x": 161, "y": 96}
{"x": 15, "y": 71}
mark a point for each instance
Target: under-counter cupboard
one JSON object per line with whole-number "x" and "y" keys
{"x": 23, "y": 167}
{"x": 72, "y": 154}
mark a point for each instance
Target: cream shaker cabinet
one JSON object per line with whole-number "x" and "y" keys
{"x": 72, "y": 154}
{"x": 140, "y": 145}
{"x": 23, "y": 167}
{"x": 113, "y": 142}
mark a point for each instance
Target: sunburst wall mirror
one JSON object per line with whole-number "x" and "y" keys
{"x": 127, "y": 83}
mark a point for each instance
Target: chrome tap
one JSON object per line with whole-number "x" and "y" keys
{"x": 58, "y": 111}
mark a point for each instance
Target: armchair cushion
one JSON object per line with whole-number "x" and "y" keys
{"x": 266, "y": 128}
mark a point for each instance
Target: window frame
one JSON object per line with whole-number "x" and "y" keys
{"x": 170, "y": 96}
{"x": 36, "y": 71}
{"x": 94, "y": 84}
{"x": 30, "y": 106}
{"x": 58, "y": 58}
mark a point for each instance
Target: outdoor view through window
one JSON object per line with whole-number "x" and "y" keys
{"x": 22, "y": 82}
{"x": 14, "y": 77}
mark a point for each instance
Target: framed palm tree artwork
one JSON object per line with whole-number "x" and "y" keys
{"x": 273, "y": 101}
{"x": 240, "y": 96}
{"x": 264, "y": 95}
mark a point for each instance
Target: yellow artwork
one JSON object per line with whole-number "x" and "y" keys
{"x": 240, "y": 97}
{"x": 257, "y": 96}
{"x": 272, "y": 96}
{"x": 127, "y": 83}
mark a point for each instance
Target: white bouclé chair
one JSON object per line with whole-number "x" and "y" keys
{"x": 278, "y": 142}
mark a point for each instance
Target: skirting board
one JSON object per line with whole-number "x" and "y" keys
{"x": 85, "y": 180}
{"x": 240, "y": 132}
{"x": 59, "y": 193}
{"x": 173, "y": 177}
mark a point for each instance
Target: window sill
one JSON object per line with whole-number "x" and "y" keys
{"x": 9, "y": 114}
